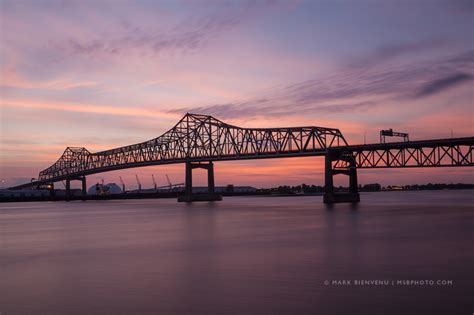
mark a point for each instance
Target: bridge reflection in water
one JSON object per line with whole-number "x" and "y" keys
{"x": 200, "y": 140}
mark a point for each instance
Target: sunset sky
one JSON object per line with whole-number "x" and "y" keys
{"x": 103, "y": 74}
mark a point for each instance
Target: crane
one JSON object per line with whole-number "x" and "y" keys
{"x": 169, "y": 182}
{"x": 154, "y": 182}
{"x": 123, "y": 184}
{"x": 172, "y": 186}
{"x": 139, "y": 184}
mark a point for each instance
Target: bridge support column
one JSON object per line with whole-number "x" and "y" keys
{"x": 211, "y": 189}
{"x": 328, "y": 180}
{"x": 50, "y": 187}
{"x": 68, "y": 189}
{"x": 330, "y": 196}
{"x": 353, "y": 187}
{"x": 69, "y": 194}
{"x": 84, "y": 186}
{"x": 189, "y": 179}
{"x": 189, "y": 196}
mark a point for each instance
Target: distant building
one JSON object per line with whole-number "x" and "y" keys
{"x": 394, "y": 188}
{"x": 72, "y": 192}
{"x": 241, "y": 189}
{"x": 104, "y": 189}
{"x": 226, "y": 189}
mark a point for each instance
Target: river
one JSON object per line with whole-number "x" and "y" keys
{"x": 394, "y": 253}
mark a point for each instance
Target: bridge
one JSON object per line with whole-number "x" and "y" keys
{"x": 200, "y": 140}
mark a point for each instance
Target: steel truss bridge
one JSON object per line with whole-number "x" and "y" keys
{"x": 200, "y": 140}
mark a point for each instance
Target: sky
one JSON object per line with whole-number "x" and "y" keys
{"x": 102, "y": 74}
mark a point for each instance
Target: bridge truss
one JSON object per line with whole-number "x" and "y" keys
{"x": 425, "y": 153}
{"x": 198, "y": 140}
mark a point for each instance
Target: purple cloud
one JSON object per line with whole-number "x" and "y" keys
{"x": 334, "y": 94}
{"x": 389, "y": 52}
{"x": 442, "y": 84}
{"x": 182, "y": 38}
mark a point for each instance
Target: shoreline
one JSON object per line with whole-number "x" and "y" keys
{"x": 162, "y": 195}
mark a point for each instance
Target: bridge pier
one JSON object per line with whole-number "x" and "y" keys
{"x": 330, "y": 196}
{"x": 52, "y": 192}
{"x": 84, "y": 187}
{"x": 68, "y": 187}
{"x": 211, "y": 195}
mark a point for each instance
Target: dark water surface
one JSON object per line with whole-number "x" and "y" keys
{"x": 244, "y": 255}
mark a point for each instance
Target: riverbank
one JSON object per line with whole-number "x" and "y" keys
{"x": 163, "y": 195}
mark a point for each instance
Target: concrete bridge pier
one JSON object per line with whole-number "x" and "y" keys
{"x": 84, "y": 186}
{"x": 52, "y": 192}
{"x": 189, "y": 196}
{"x": 330, "y": 196}
{"x": 68, "y": 187}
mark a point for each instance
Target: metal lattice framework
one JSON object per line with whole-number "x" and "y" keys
{"x": 426, "y": 153}
{"x": 198, "y": 138}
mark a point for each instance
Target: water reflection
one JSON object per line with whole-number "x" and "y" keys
{"x": 241, "y": 255}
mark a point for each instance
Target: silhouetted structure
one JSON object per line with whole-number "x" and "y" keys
{"x": 199, "y": 140}
{"x": 391, "y": 133}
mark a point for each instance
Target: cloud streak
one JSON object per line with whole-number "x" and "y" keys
{"x": 183, "y": 38}
{"x": 389, "y": 52}
{"x": 352, "y": 90}
{"x": 88, "y": 108}
{"x": 440, "y": 85}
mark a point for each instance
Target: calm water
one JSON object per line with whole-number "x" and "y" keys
{"x": 244, "y": 255}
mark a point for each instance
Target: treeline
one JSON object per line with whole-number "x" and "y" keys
{"x": 313, "y": 189}
{"x": 431, "y": 186}
{"x": 305, "y": 189}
